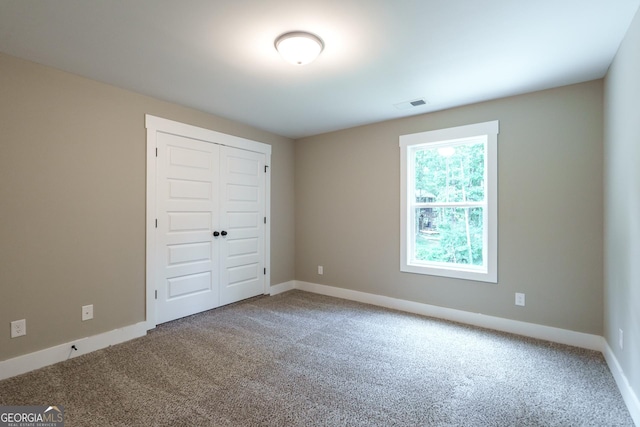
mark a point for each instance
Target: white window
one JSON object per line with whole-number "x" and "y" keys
{"x": 449, "y": 200}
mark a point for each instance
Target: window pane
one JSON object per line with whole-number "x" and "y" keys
{"x": 449, "y": 235}
{"x": 450, "y": 173}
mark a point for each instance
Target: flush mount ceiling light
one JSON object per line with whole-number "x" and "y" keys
{"x": 299, "y": 47}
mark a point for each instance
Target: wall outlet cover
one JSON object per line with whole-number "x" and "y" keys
{"x": 87, "y": 312}
{"x": 18, "y": 328}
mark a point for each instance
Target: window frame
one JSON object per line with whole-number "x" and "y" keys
{"x": 411, "y": 143}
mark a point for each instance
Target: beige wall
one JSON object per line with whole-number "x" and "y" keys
{"x": 622, "y": 205}
{"x": 72, "y": 194}
{"x": 550, "y": 210}
{"x": 72, "y": 182}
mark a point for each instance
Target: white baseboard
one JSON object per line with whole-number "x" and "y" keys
{"x": 548, "y": 333}
{"x": 629, "y": 396}
{"x": 49, "y": 356}
{"x": 282, "y": 287}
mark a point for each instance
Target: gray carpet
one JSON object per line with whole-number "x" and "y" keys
{"x": 300, "y": 359}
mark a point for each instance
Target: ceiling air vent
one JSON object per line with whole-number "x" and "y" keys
{"x": 411, "y": 104}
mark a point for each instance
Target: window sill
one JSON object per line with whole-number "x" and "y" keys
{"x": 458, "y": 273}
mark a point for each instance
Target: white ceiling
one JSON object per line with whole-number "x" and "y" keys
{"x": 218, "y": 56}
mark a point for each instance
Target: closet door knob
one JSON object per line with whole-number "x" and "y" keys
{"x": 224, "y": 233}
{"x": 216, "y": 234}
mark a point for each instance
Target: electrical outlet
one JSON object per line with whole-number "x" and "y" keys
{"x": 18, "y": 328}
{"x": 621, "y": 339}
{"x": 320, "y": 270}
{"x": 87, "y": 312}
{"x": 519, "y": 299}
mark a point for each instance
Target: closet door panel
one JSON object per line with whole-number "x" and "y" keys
{"x": 188, "y": 210}
{"x": 242, "y": 203}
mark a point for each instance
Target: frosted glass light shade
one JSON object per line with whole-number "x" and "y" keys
{"x": 299, "y": 48}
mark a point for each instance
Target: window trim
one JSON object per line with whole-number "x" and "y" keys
{"x": 409, "y": 143}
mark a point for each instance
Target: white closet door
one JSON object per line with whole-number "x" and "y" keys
{"x": 242, "y": 200}
{"x": 188, "y": 212}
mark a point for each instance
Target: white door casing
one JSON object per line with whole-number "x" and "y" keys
{"x": 186, "y": 264}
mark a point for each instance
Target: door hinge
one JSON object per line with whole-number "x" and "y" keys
{"x": 156, "y": 294}
{"x": 265, "y": 271}
{"x": 156, "y": 222}
{"x": 156, "y": 151}
{"x": 265, "y": 219}
{"x": 265, "y": 168}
